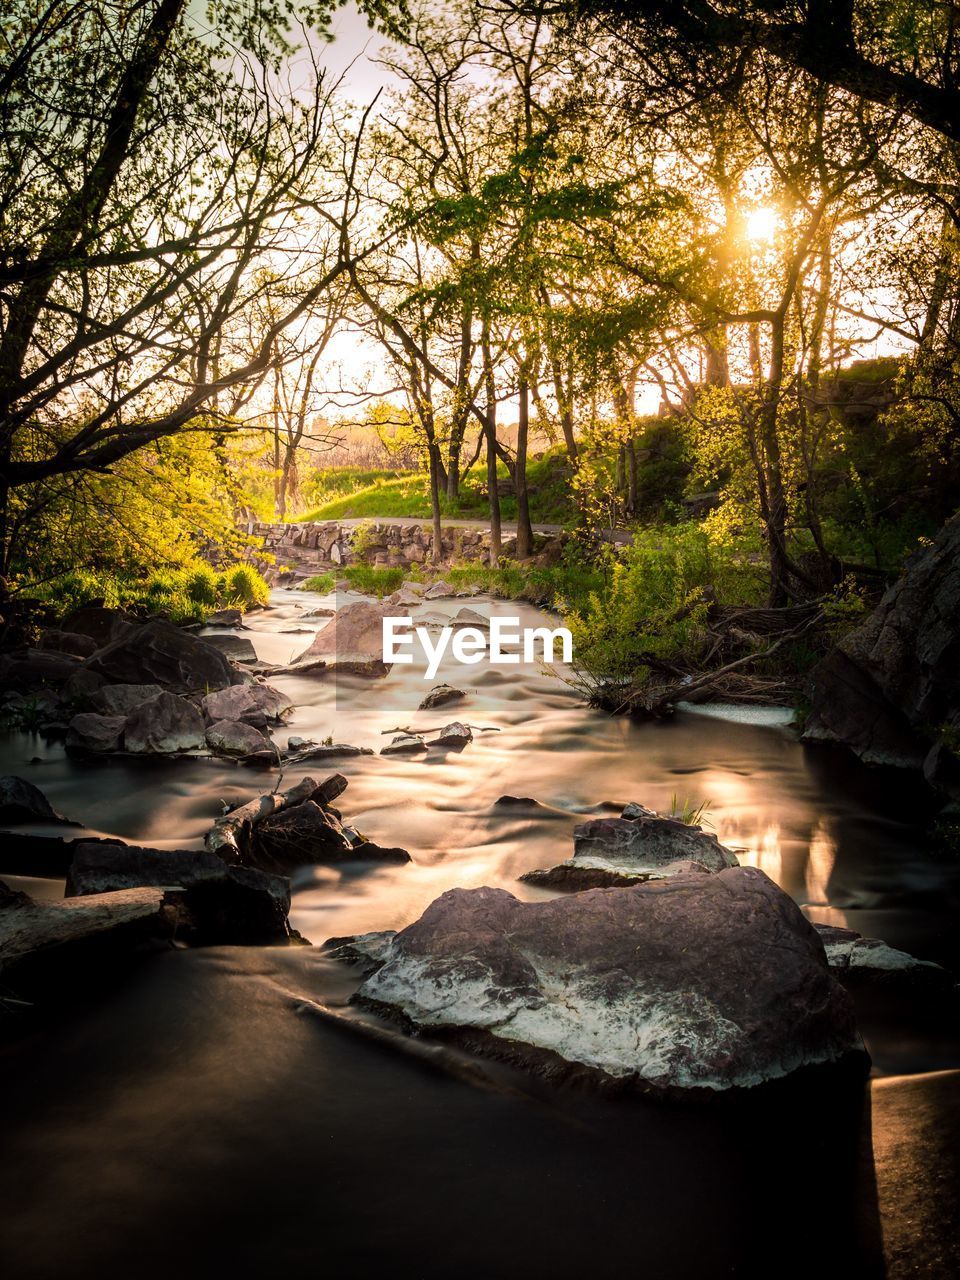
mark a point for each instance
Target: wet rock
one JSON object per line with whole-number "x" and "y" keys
{"x": 889, "y": 689}
{"x": 234, "y": 738}
{"x": 857, "y": 960}
{"x": 351, "y": 642}
{"x": 21, "y": 801}
{"x": 440, "y": 695}
{"x": 620, "y": 851}
{"x": 160, "y": 653}
{"x": 701, "y": 982}
{"x": 91, "y": 731}
{"x": 225, "y": 618}
{"x": 454, "y": 736}
{"x": 323, "y": 750}
{"x": 470, "y": 618}
{"x": 404, "y": 744}
{"x": 299, "y": 836}
{"x": 439, "y": 591}
{"x": 236, "y": 648}
{"x": 367, "y": 951}
{"x": 225, "y": 905}
{"x": 28, "y": 669}
{"x": 321, "y": 611}
{"x": 369, "y": 851}
{"x": 37, "y": 938}
{"x": 81, "y": 687}
{"x": 71, "y": 642}
{"x": 255, "y": 704}
{"x": 121, "y": 699}
{"x": 99, "y": 623}
{"x": 163, "y": 725}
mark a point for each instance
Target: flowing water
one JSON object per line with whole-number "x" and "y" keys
{"x": 195, "y": 1117}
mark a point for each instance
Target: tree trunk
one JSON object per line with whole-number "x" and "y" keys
{"x": 490, "y": 430}
{"x": 524, "y": 529}
{"x": 435, "y": 514}
{"x": 632, "y": 477}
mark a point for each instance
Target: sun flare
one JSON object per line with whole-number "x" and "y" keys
{"x": 761, "y": 225}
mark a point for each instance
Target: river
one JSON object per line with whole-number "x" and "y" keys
{"x": 195, "y": 1118}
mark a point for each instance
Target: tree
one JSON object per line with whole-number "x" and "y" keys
{"x": 153, "y": 178}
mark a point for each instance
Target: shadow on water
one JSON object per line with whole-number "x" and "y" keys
{"x": 194, "y": 1123}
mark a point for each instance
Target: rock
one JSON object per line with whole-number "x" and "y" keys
{"x": 706, "y": 982}
{"x": 233, "y": 738}
{"x": 236, "y": 648}
{"x": 121, "y": 699}
{"x": 470, "y": 618}
{"x": 225, "y": 618}
{"x": 368, "y": 851}
{"x": 620, "y": 851}
{"x": 90, "y": 731}
{"x": 72, "y": 642}
{"x": 37, "y": 937}
{"x": 81, "y": 687}
{"x": 889, "y": 689}
{"x": 225, "y": 905}
{"x": 409, "y": 596}
{"x": 299, "y": 836}
{"x": 255, "y": 704}
{"x": 352, "y": 641}
{"x": 634, "y": 810}
{"x": 439, "y": 695}
{"x": 159, "y": 653}
{"x": 454, "y": 736}
{"x": 21, "y": 801}
{"x": 324, "y": 750}
{"x": 163, "y": 725}
{"x": 101, "y": 624}
{"x": 439, "y": 591}
{"x": 857, "y": 960}
{"x": 368, "y": 951}
{"x": 321, "y": 611}
{"x": 28, "y": 669}
{"x": 404, "y": 744}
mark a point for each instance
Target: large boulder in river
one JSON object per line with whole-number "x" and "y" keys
{"x": 92, "y": 732}
{"x": 225, "y": 905}
{"x": 160, "y": 653}
{"x": 101, "y": 624}
{"x": 639, "y": 845}
{"x": 352, "y": 641}
{"x": 21, "y": 801}
{"x": 700, "y": 982}
{"x": 163, "y": 725}
{"x": 233, "y": 738}
{"x": 891, "y": 688}
{"x": 121, "y": 699}
{"x": 254, "y": 704}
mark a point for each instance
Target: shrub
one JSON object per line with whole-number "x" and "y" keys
{"x": 246, "y": 586}
{"x": 203, "y": 585}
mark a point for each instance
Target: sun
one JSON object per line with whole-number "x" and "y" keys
{"x": 761, "y": 225}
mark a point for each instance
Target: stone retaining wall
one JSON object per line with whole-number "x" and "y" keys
{"x": 384, "y": 543}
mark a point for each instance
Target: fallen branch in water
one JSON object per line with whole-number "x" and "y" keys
{"x": 227, "y": 837}
{"x": 419, "y": 733}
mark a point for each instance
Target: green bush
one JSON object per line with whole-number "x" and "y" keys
{"x": 246, "y": 586}
{"x": 204, "y": 585}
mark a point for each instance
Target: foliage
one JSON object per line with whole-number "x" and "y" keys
{"x": 321, "y": 583}
{"x": 688, "y": 811}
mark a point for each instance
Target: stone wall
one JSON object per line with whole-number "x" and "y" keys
{"x": 384, "y": 543}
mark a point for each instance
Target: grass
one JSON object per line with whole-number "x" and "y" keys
{"x": 186, "y": 594}
{"x": 347, "y": 493}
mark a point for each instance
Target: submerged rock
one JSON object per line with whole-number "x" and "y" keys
{"x": 439, "y": 695}
{"x": 163, "y": 725}
{"x": 404, "y": 744}
{"x": 858, "y": 960}
{"x": 637, "y": 846}
{"x": 160, "y": 653}
{"x": 705, "y": 982}
{"x": 21, "y": 801}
